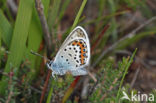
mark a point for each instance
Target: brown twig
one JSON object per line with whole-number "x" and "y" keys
{"x": 10, "y": 84}
{"x": 130, "y": 35}
{"x": 13, "y": 7}
{"x": 45, "y": 86}
{"x": 99, "y": 37}
{"x": 47, "y": 39}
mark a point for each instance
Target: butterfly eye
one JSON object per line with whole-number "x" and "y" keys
{"x": 50, "y": 64}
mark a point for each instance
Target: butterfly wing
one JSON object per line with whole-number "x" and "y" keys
{"x": 75, "y": 51}
{"x": 80, "y": 71}
{"x": 78, "y": 32}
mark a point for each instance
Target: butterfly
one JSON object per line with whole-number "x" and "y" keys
{"x": 73, "y": 55}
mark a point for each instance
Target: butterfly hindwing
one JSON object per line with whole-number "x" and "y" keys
{"x": 75, "y": 52}
{"x": 81, "y": 71}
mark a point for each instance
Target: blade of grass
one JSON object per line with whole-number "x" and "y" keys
{"x": 5, "y": 8}
{"x": 35, "y": 38}
{"x": 102, "y": 18}
{"x": 130, "y": 35}
{"x": 18, "y": 43}
{"x": 0, "y": 42}
{"x": 101, "y": 4}
{"x": 52, "y": 17}
{"x": 99, "y": 38}
{"x": 5, "y": 29}
{"x": 134, "y": 39}
{"x": 50, "y": 93}
{"x": 53, "y": 13}
{"x": 79, "y": 14}
{"x": 125, "y": 72}
{"x": 60, "y": 16}
{"x": 112, "y": 6}
{"x": 70, "y": 89}
{"x": 64, "y": 6}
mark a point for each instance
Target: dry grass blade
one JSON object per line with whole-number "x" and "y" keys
{"x": 130, "y": 35}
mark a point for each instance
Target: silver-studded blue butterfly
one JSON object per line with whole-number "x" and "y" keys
{"x": 73, "y": 56}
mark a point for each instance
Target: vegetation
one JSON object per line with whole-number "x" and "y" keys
{"x": 115, "y": 28}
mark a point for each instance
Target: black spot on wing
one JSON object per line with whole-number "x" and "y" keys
{"x": 77, "y": 61}
{"x": 70, "y": 55}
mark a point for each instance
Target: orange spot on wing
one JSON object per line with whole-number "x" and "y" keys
{"x": 82, "y": 52}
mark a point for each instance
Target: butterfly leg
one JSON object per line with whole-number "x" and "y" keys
{"x": 53, "y": 74}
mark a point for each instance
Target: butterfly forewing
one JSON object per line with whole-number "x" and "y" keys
{"x": 78, "y": 32}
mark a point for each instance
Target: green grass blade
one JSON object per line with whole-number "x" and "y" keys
{"x": 18, "y": 43}
{"x": 5, "y": 29}
{"x": 113, "y": 21}
{"x": 35, "y": 38}
{"x": 0, "y": 39}
{"x": 50, "y": 92}
{"x": 53, "y": 13}
{"x": 102, "y": 4}
{"x": 125, "y": 72}
{"x": 64, "y": 6}
{"x": 79, "y": 14}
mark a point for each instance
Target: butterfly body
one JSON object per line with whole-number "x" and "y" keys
{"x": 74, "y": 54}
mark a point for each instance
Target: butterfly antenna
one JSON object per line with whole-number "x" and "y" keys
{"x": 40, "y": 56}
